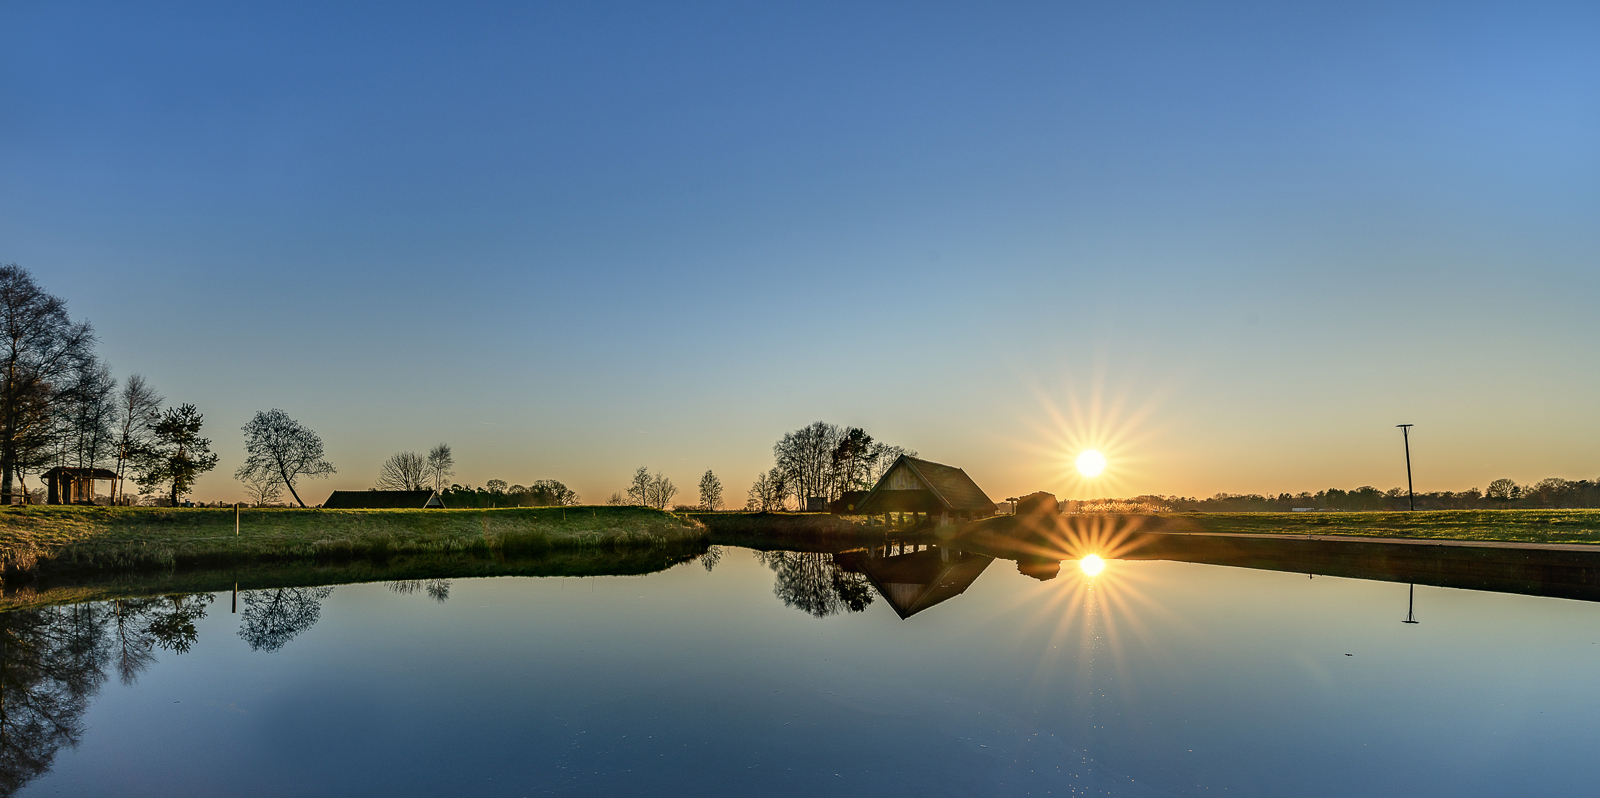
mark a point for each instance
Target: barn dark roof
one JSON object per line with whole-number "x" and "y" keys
{"x": 81, "y": 473}
{"x": 949, "y": 485}
{"x": 378, "y": 500}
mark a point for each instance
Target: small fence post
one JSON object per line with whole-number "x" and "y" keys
{"x": 235, "y": 519}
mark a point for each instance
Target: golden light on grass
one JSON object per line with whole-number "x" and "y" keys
{"x": 1092, "y": 565}
{"x": 1091, "y": 463}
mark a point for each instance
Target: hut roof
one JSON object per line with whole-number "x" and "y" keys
{"x": 80, "y": 473}
{"x": 381, "y": 500}
{"x": 949, "y": 485}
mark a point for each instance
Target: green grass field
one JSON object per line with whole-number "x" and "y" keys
{"x": 64, "y": 539}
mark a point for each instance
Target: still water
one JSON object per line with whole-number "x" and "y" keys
{"x": 748, "y": 673}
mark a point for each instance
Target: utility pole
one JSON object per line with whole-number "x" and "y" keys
{"x": 1411, "y": 607}
{"x": 1405, "y": 433}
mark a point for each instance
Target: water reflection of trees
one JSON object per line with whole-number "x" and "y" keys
{"x": 54, "y": 659}
{"x": 142, "y": 625}
{"x": 274, "y": 617}
{"x": 437, "y": 589}
{"x": 711, "y": 557}
{"x": 814, "y": 584}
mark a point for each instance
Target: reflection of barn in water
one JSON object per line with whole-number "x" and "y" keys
{"x": 913, "y": 577}
{"x": 923, "y": 487}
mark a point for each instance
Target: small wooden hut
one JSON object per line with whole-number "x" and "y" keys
{"x": 925, "y": 487}
{"x": 383, "y": 500}
{"x": 72, "y": 485}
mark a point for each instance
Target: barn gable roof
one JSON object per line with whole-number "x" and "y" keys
{"x": 80, "y": 473}
{"x": 381, "y": 500}
{"x": 949, "y": 485}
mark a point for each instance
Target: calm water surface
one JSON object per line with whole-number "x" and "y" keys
{"x": 784, "y": 674}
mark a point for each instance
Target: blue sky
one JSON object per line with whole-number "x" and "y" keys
{"x": 1233, "y": 244}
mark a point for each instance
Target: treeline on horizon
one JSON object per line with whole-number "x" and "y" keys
{"x": 1502, "y": 494}
{"x": 819, "y": 460}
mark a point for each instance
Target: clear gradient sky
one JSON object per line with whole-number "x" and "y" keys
{"x": 1231, "y": 243}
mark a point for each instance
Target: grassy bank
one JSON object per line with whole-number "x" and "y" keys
{"x": 74, "y": 587}
{"x": 37, "y": 540}
{"x": 803, "y": 531}
{"x": 1509, "y": 526}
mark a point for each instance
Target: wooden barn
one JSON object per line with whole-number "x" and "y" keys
{"x": 68, "y": 485}
{"x": 383, "y": 500}
{"x": 923, "y": 487}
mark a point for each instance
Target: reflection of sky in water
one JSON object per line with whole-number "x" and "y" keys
{"x": 1153, "y": 678}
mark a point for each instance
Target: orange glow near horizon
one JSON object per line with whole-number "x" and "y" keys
{"x": 1093, "y": 442}
{"x": 1092, "y": 565}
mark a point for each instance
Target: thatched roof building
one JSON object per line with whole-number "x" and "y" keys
{"x": 383, "y": 500}
{"x": 922, "y": 486}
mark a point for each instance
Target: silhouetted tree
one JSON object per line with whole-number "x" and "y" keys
{"x": 1502, "y": 491}
{"x": 87, "y": 409}
{"x": 177, "y": 454}
{"x": 805, "y": 457}
{"x": 404, "y": 471}
{"x": 277, "y": 444}
{"x": 40, "y": 347}
{"x": 767, "y": 492}
{"x": 138, "y": 411}
{"x": 710, "y": 492}
{"x": 639, "y": 488}
{"x": 262, "y": 489}
{"x": 440, "y": 464}
{"x": 660, "y": 492}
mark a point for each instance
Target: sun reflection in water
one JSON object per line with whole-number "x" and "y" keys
{"x": 1092, "y": 616}
{"x": 1092, "y": 565}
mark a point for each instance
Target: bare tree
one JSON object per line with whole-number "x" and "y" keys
{"x": 138, "y": 410}
{"x": 661, "y": 492}
{"x": 805, "y": 457}
{"x": 262, "y": 489}
{"x": 40, "y": 346}
{"x": 710, "y": 492}
{"x": 404, "y": 471}
{"x": 440, "y": 465}
{"x": 87, "y": 407}
{"x": 639, "y": 488}
{"x": 881, "y": 458}
{"x": 277, "y": 444}
{"x": 767, "y": 493}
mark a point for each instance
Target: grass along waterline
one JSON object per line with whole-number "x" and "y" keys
{"x": 94, "y": 538}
